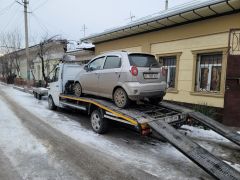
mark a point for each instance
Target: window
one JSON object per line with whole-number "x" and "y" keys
{"x": 169, "y": 64}
{"x": 97, "y": 64}
{"x": 56, "y": 75}
{"x": 38, "y": 71}
{"x": 208, "y": 75}
{"x": 112, "y": 62}
{"x": 143, "y": 60}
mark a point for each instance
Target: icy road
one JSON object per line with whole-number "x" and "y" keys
{"x": 36, "y": 143}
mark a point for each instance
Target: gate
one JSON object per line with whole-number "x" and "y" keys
{"x": 231, "y": 115}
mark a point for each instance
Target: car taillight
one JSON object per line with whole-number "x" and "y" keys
{"x": 163, "y": 71}
{"x": 134, "y": 71}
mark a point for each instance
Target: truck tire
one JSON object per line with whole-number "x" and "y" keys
{"x": 51, "y": 104}
{"x": 77, "y": 89}
{"x": 35, "y": 95}
{"x": 98, "y": 122}
{"x": 120, "y": 98}
{"x": 39, "y": 96}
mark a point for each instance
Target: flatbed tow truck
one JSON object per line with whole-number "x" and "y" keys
{"x": 164, "y": 119}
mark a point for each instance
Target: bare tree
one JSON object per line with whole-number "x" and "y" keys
{"x": 11, "y": 43}
{"x": 44, "y": 52}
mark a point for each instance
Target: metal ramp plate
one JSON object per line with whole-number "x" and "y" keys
{"x": 195, "y": 152}
{"x": 217, "y": 127}
{"x": 207, "y": 121}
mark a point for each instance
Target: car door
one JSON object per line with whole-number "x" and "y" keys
{"x": 109, "y": 76}
{"x": 55, "y": 88}
{"x": 89, "y": 78}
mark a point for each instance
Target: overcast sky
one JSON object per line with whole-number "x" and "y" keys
{"x": 66, "y": 17}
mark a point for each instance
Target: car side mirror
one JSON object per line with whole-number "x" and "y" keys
{"x": 86, "y": 68}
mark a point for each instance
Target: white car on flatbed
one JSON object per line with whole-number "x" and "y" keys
{"x": 123, "y": 77}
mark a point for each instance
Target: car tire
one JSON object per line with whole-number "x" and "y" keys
{"x": 77, "y": 89}
{"x": 39, "y": 96}
{"x": 120, "y": 98}
{"x": 51, "y": 103}
{"x": 98, "y": 122}
{"x": 156, "y": 100}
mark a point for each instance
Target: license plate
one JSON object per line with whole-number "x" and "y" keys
{"x": 171, "y": 119}
{"x": 150, "y": 76}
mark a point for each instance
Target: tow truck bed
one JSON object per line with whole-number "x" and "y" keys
{"x": 136, "y": 115}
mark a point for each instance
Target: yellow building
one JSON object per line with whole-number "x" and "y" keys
{"x": 191, "y": 42}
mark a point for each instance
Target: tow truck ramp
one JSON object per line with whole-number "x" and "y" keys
{"x": 219, "y": 128}
{"x": 195, "y": 152}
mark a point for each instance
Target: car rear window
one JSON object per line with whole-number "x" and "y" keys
{"x": 143, "y": 60}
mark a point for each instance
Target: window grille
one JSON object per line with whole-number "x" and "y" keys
{"x": 169, "y": 63}
{"x": 208, "y": 74}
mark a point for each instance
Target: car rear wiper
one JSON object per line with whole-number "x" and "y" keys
{"x": 151, "y": 65}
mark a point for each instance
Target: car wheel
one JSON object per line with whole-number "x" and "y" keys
{"x": 39, "y": 96}
{"x": 77, "y": 89}
{"x": 155, "y": 100}
{"x": 35, "y": 95}
{"x": 99, "y": 123}
{"x": 51, "y": 104}
{"x": 120, "y": 98}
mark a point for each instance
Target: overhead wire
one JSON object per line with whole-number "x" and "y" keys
{"x": 7, "y": 8}
{"x": 12, "y": 18}
{"x": 40, "y": 5}
{"x": 42, "y": 26}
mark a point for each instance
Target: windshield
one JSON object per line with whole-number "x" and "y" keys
{"x": 143, "y": 60}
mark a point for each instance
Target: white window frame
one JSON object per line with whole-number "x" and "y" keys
{"x": 169, "y": 71}
{"x": 209, "y": 66}
{"x": 168, "y": 75}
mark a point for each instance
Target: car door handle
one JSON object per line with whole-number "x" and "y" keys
{"x": 57, "y": 86}
{"x": 118, "y": 74}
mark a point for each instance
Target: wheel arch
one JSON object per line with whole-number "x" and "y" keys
{"x": 118, "y": 86}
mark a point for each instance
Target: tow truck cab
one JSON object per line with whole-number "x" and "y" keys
{"x": 63, "y": 74}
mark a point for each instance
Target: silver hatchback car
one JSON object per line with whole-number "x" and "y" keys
{"x": 123, "y": 77}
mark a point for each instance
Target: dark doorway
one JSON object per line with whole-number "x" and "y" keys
{"x": 232, "y": 92}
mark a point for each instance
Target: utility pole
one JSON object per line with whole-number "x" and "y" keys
{"x": 166, "y": 5}
{"x": 84, "y": 30}
{"x": 131, "y": 17}
{"x": 25, "y": 4}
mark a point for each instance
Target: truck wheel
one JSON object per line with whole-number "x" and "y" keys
{"x": 99, "y": 123}
{"x": 120, "y": 98}
{"x": 51, "y": 104}
{"x": 39, "y": 96}
{"x": 77, "y": 89}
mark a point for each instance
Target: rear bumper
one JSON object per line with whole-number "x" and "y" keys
{"x": 136, "y": 90}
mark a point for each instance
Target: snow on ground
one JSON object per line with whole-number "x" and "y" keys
{"x": 24, "y": 151}
{"x": 152, "y": 159}
{"x": 197, "y": 132}
{"x": 81, "y": 134}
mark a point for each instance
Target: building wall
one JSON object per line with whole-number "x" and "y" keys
{"x": 185, "y": 41}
